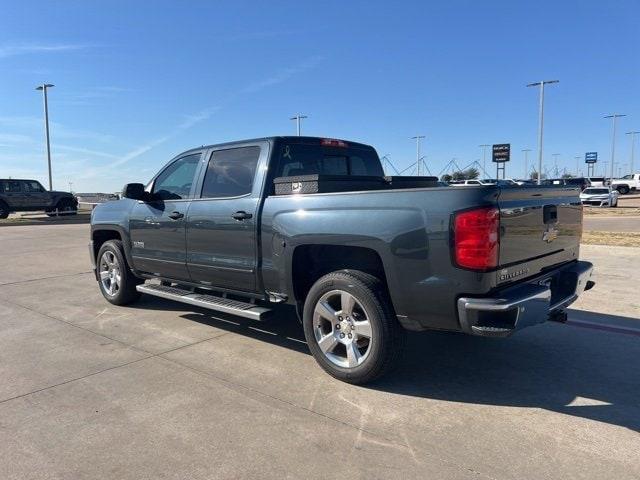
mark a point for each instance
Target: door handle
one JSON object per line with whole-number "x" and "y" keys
{"x": 241, "y": 215}
{"x": 176, "y": 215}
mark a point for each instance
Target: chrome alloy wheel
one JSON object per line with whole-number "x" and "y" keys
{"x": 110, "y": 274}
{"x": 342, "y": 329}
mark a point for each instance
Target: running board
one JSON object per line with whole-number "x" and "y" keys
{"x": 211, "y": 302}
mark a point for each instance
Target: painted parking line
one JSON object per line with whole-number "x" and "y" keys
{"x": 603, "y": 327}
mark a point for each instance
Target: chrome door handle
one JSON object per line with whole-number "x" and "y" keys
{"x": 176, "y": 215}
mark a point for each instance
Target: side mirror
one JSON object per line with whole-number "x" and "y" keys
{"x": 134, "y": 191}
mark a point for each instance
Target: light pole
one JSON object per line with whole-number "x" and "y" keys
{"x": 298, "y": 118}
{"x": 484, "y": 157}
{"x": 613, "y": 116}
{"x": 633, "y": 141}
{"x": 526, "y": 162}
{"x": 417, "y": 138}
{"x": 577, "y": 158}
{"x": 44, "y": 87}
{"x": 555, "y": 163}
{"x": 541, "y": 84}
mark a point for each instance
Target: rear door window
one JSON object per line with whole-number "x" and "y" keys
{"x": 230, "y": 173}
{"x": 10, "y": 186}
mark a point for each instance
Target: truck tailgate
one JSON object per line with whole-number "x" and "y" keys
{"x": 536, "y": 222}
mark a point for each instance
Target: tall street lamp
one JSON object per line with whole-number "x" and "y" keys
{"x": 484, "y": 157}
{"x": 633, "y": 141}
{"x": 614, "y": 117}
{"x": 298, "y": 118}
{"x": 541, "y": 84}
{"x": 526, "y": 162}
{"x": 417, "y": 138}
{"x": 44, "y": 87}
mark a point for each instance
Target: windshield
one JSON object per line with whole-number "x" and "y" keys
{"x": 597, "y": 191}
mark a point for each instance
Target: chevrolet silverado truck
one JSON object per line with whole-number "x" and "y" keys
{"x": 313, "y": 223}
{"x": 30, "y": 195}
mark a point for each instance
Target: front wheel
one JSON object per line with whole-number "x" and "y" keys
{"x": 623, "y": 189}
{"x": 64, "y": 207}
{"x": 351, "y": 328}
{"x": 117, "y": 283}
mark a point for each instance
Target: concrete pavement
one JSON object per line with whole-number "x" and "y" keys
{"x": 160, "y": 390}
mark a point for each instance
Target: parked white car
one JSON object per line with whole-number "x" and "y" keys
{"x": 599, "y": 197}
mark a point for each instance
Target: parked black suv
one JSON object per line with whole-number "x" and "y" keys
{"x": 30, "y": 195}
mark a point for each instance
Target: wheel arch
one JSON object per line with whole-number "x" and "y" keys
{"x": 309, "y": 262}
{"x": 104, "y": 233}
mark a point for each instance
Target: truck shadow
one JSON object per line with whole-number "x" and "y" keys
{"x": 561, "y": 368}
{"x": 577, "y": 371}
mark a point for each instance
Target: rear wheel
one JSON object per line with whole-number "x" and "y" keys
{"x": 4, "y": 210}
{"x": 117, "y": 283}
{"x": 351, "y": 328}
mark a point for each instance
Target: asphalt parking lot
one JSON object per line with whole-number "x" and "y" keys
{"x": 158, "y": 390}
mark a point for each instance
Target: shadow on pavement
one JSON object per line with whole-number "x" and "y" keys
{"x": 561, "y": 368}
{"x": 82, "y": 217}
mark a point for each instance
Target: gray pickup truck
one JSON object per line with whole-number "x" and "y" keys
{"x": 29, "y": 195}
{"x": 314, "y": 223}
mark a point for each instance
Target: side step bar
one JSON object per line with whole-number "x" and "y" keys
{"x": 211, "y": 302}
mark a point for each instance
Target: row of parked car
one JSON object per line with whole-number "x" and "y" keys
{"x": 595, "y": 191}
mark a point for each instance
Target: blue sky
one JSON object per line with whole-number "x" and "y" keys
{"x": 138, "y": 82}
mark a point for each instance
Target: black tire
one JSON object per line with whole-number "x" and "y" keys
{"x": 623, "y": 189}
{"x": 126, "y": 292}
{"x": 387, "y": 338}
{"x": 65, "y": 206}
{"x": 4, "y": 210}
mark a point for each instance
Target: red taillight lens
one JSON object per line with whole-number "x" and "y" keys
{"x": 476, "y": 238}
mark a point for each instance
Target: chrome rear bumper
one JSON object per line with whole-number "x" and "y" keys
{"x": 523, "y": 305}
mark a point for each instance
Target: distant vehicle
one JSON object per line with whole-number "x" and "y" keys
{"x": 599, "y": 197}
{"x": 580, "y": 182}
{"x": 314, "y": 223}
{"x": 29, "y": 195}
{"x": 483, "y": 181}
{"x": 626, "y": 184}
{"x": 523, "y": 182}
{"x": 596, "y": 181}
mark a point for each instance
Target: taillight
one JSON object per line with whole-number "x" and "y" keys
{"x": 476, "y": 238}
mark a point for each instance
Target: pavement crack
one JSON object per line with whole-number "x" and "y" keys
{"x": 239, "y": 387}
{"x": 45, "y": 278}
{"x": 74, "y": 379}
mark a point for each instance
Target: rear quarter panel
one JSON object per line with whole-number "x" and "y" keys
{"x": 408, "y": 229}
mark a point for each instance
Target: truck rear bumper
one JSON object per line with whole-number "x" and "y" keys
{"x": 523, "y": 305}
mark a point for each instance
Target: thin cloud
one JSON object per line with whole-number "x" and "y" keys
{"x": 284, "y": 75}
{"x": 192, "y": 120}
{"x": 85, "y": 151}
{"x": 28, "y": 49}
